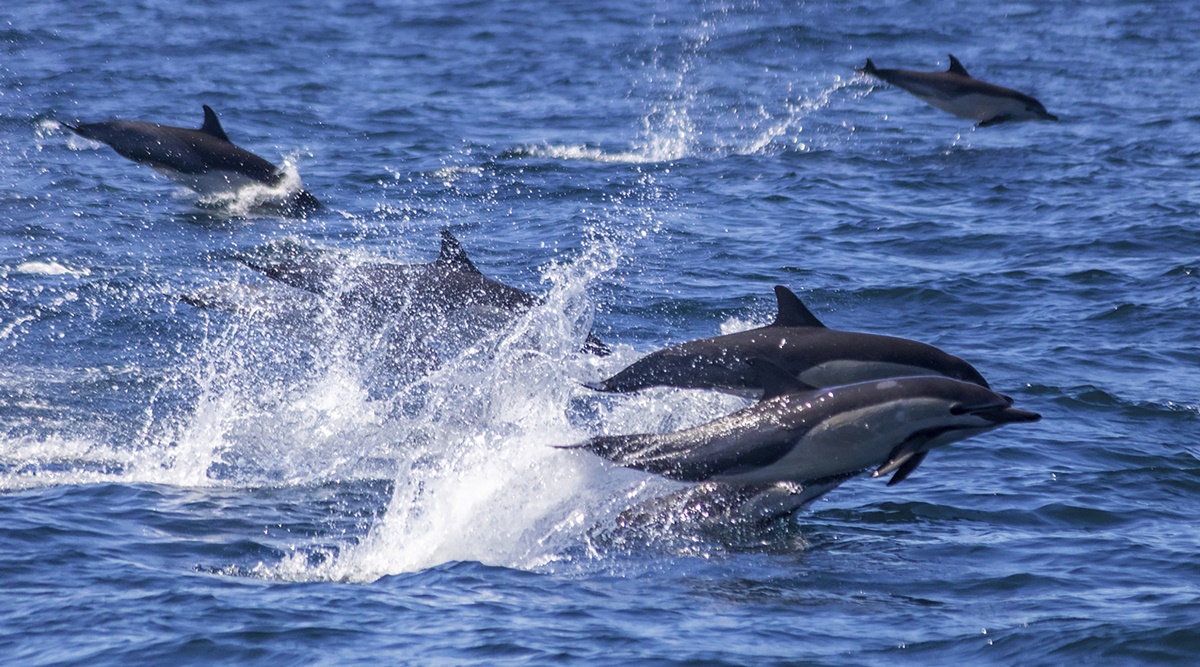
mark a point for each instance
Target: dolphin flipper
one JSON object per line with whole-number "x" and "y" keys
{"x": 995, "y": 120}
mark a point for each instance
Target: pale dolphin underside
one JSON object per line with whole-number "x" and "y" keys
{"x": 817, "y": 438}
{"x": 450, "y": 292}
{"x": 957, "y": 92}
{"x": 204, "y": 159}
{"x": 798, "y": 343}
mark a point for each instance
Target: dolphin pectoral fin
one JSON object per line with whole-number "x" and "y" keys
{"x": 957, "y": 67}
{"x": 995, "y": 120}
{"x": 907, "y": 467}
{"x": 792, "y": 311}
{"x": 905, "y": 458}
{"x": 453, "y": 256}
{"x": 776, "y": 381}
{"x": 212, "y": 125}
{"x": 895, "y": 461}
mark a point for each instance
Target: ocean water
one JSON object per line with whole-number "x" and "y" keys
{"x": 184, "y": 486}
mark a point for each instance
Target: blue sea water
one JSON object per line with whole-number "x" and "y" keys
{"x": 180, "y": 486}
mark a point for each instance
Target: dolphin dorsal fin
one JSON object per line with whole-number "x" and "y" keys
{"x": 212, "y": 125}
{"x": 453, "y": 255}
{"x": 792, "y": 311}
{"x": 775, "y": 381}
{"x": 957, "y": 67}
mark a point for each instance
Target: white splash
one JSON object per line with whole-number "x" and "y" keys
{"x": 50, "y": 268}
{"x": 669, "y": 133}
{"x": 253, "y": 197}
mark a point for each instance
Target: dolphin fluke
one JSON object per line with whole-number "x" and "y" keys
{"x": 868, "y": 69}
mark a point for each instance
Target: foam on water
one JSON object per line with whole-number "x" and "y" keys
{"x": 50, "y": 268}
{"x": 477, "y": 472}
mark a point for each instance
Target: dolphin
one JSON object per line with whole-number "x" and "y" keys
{"x": 204, "y": 160}
{"x": 450, "y": 293}
{"x": 797, "y": 342}
{"x": 959, "y": 93}
{"x": 818, "y": 437}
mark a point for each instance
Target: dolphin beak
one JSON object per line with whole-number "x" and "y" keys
{"x": 998, "y": 414}
{"x": 1050, "y": 116}
{"x": 1012, "y": 415}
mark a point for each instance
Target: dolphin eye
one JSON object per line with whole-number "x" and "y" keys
{"x": 958, "y": 409}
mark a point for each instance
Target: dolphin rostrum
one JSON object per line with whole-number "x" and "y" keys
{"x": 449, "y": 293}
{"x": 204, "y": 160}
{"x": 959, "y": 93}
{"x": 818, "y": 437}
{"x": 797, "y": 342}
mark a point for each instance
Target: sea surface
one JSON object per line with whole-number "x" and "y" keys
{"x": 265, "y": 486}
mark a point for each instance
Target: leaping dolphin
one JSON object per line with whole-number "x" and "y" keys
{"x": 448, "y": 293}
{"x": 797, "y": 342}
{"x": 957, "y": 92}
{"x": 818, "y": 438}
{"x": 204, "y": 160}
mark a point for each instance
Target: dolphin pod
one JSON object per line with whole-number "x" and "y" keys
{"x": 204, "y": 159}
{"x": 832, "y": 404}
{"x": 957, "y": 92}
{"x": 797, "y": 342}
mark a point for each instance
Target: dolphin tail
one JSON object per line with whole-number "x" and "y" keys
{"x": 868, "y": 69}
